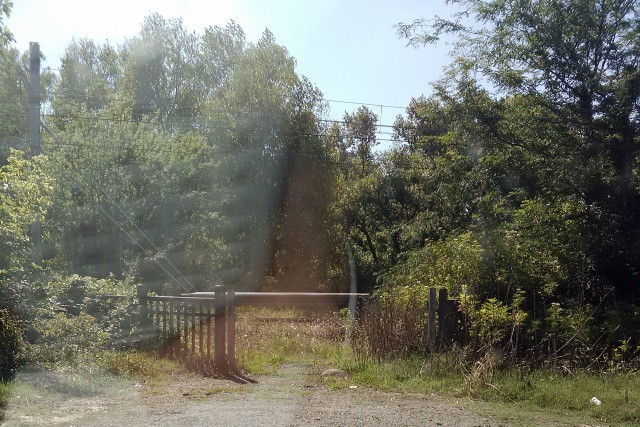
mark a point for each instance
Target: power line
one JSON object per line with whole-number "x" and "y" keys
{"x": 365, "y": 103}
{"x": 207, "y": 126}
{"x": 339, "y": 101}
{"x": 223, "y": 111}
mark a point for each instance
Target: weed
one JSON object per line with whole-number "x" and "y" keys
{"x": 5, "y": 394}
{"x": 140, "y": 365}
{"x": 264, "y": 345}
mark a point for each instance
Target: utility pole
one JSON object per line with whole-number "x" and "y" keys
{"x": 34, "y": 97}
{"x": 34, "y": 130}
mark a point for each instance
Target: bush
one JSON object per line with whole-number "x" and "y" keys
{"x": 11, "y": 342}
{"x": 110, "y": 302}
{"x": 454, "y": 263}
{"x": 66, "y": 341}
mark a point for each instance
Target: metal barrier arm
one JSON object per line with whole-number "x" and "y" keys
{"x": 296, "y": 299}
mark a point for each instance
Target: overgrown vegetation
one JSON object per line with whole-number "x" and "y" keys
{"x": 263, "y": 345}
{"x": 180, "y": 160}
{"x": 530, "y": 394}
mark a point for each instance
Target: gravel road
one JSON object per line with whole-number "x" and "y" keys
{"x": 291, "y": 397}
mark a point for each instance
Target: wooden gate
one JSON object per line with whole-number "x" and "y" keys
{"x": 190, "y": 319}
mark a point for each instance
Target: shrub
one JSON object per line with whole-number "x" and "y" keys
{"x": 11, "y": 342}
{"x": 110, "y": 302}
{"x": 454, "y": 263}
{"x": 66, "y": 341}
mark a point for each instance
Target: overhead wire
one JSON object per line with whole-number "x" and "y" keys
{"x": 207, "y": 126}
{"x": 223, "y": 111}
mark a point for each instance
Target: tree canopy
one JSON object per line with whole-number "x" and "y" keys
{"x": 179, "y": 160}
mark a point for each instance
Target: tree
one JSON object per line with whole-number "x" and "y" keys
{"x": 13, "y": 92}
{"x": 159, "y": 75}
{"x": 359, "y": 131}
{"x": 199, "y": 142}
{"x": 574, "y": 65}
{"x": 5, "y": 35}
{"x": 265, "y": 124}
{"x": 25, "y": 195}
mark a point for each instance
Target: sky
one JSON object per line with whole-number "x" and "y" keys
{"x": 348, "y": 48}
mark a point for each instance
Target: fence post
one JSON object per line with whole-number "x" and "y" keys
{"x": 171, "y": 333}
{"x": 193, "y": 327}
{"x": 231, "y": 328}
{"x": 209, "y": 328}
{"x": 431, "y": 327}
{"x": 220, "y": 326}
{"x": 444, "y": 329}
{"x": 201, "y": 331}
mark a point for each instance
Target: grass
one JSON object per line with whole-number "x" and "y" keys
{"x": 619, "y": 393}
{"x": 147, "y": 365}
{"x": 5, "y": 394}
{"x": 542, "y": 397}
{"x": 263, "y": 346}
{"x": 519, "y": 397}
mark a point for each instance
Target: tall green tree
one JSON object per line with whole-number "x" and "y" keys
{"x": 13, "y": 91}
{"x": 189, "y": 150}
{"x": 569, "y": 72}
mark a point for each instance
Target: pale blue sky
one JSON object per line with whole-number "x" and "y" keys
{"x": 349, "y": 49}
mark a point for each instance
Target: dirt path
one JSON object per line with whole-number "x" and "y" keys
{"x": 292, "y": 397}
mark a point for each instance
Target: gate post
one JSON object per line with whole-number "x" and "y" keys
{"x": 431, "y": 326}
{"x": 231, "y": 328}
{"x": 444, "y": 329}
{"x": 220, "y": 326}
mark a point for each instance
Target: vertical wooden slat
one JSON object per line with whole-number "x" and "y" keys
{"x": 171, "y": 332}
{"x": 156, "y": 303}
{"x": 201, "y": 324}
{"x": 164, "y": 319}
{"x": 193, "y": 327}
{"x": 185, "y": 320}
{"x": 178, "y": 322}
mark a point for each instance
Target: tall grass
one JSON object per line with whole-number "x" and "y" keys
{"x": 266, "y": 338}
{"x": 389, "y": 353}
{"x": 5, "y": 394}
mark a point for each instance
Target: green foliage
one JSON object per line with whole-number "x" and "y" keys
{"x": 12, "y": 345}
{"x": 542, "y": 177}
{"x": 455, "y": 263}
{"x": 5, "y": 11}
{"x": 110, "y": 302}
{"x": 66, "y": 341}
{"x": 183, "y": 165}
{"x": 24, "y": 197}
